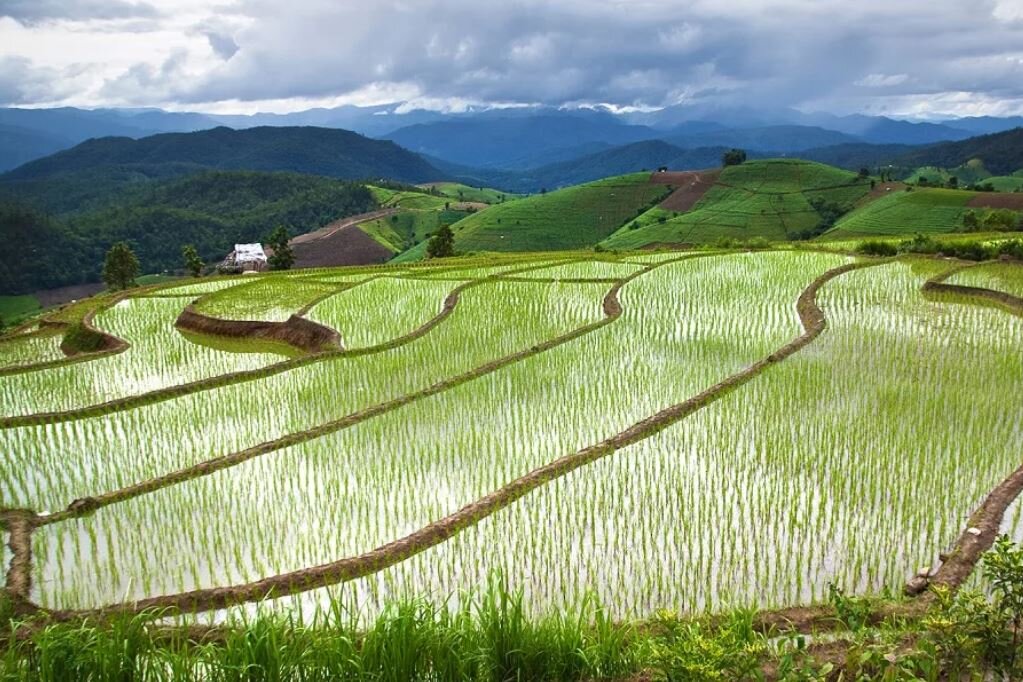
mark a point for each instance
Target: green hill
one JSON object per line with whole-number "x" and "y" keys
{"x": 924, "y": 210}
{"x": 1001, "y": 153}
{"x": 775, "y": 199}
{"x": 320, "y": 151}
{"x": 570, "y": 218}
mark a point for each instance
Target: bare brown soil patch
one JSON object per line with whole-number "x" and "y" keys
{"x": 1010, "y": 200}
{"x": 346, "y": 246}
{"x": 692, "y": 185}
{"x": 329, "y": 229}
{"x": 50, "y": 297}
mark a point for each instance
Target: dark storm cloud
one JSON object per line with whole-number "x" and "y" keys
{"x": 34, "y": 11}
{"x": 753, "y": 53}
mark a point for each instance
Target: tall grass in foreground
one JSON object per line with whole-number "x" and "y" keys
{"x": 490, "y": 638}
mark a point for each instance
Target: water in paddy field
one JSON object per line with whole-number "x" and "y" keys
{"x": 796, "y": 479}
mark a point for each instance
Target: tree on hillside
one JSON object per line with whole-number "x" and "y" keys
{"x": 283, "y": 257}
{"x": 121, "y": 267}
{"x": 733, "y": 157}
{"x": 442, "y": 243}
{"x": 864, "y": 173}
{"x": 193, "y": 263}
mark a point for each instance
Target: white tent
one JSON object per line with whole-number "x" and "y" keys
{"x": 249, "y": 253}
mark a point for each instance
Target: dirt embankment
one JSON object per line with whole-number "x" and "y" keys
{"x": 296, "y": 331}
{"x": 938, "y": 285}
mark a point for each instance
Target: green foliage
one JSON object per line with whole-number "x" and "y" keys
{"x": 693, "y": 651}
{"x": 1003, "y": 568}
{"x": 854, "y": 612}
{"x": 733, "y": 157}
{"x": 80, "y": 339}
{"x": 442, "y": 243}
{"x": 283, "y": 257}
{"x": 193, "y": 263}
{"x": 991, "y": 220}
{"x": 121, "y": 267}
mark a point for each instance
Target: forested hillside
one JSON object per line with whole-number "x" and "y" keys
{"x": 211, "y": 210}
{"x": 320, "y": 151}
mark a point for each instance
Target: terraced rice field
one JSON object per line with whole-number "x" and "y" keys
{"x": 669, "y": 431}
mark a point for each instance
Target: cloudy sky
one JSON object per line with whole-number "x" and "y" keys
{"x": 921, "y": 58}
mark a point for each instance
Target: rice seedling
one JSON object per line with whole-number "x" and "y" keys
{"x": 1006, "y": 277}
{"x": 26, "y": 349}
{"x": 380, "y": 309}
{"x": 158, "y": 356}
{"x": 206, "y": 286}
{"x": 271, "y": 299}
{"x": 853, "y": 462}
{"x": 585, "y": 270}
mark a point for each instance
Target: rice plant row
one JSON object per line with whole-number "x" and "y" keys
{"x": 27, "y": 349}
{"x": 158, "y": 356}
{"x": 380, "y": 309}
{"x": 1005, "y": 277}
{"x": 355, "y": 489}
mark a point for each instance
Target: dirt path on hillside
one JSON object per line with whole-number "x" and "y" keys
{"x": 338, "y": 225}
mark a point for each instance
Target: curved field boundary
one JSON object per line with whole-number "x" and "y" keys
{"x": 19, "y": 524}
{"x": 200, "y": 385}
{"x": 112, "y": 345}
{"x": 42, "y": 332}
{"x": 813, "y": 322}
{"x": 299, "y": 332}
{"x": 938, "y": 285}
{"x": 86, "y": 505}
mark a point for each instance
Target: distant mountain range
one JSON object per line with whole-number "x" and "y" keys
{"x": 514, "y": 139}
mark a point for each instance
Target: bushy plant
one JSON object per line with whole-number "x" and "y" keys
{"x": 877, "y": 247}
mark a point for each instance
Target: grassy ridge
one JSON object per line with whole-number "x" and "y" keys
{"x": 769, "y": 199}
{"x": 483, "y": 195}
{"x": 570, "y": 218}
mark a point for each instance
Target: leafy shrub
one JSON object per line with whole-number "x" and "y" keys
{"x": 877, "y": 247}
